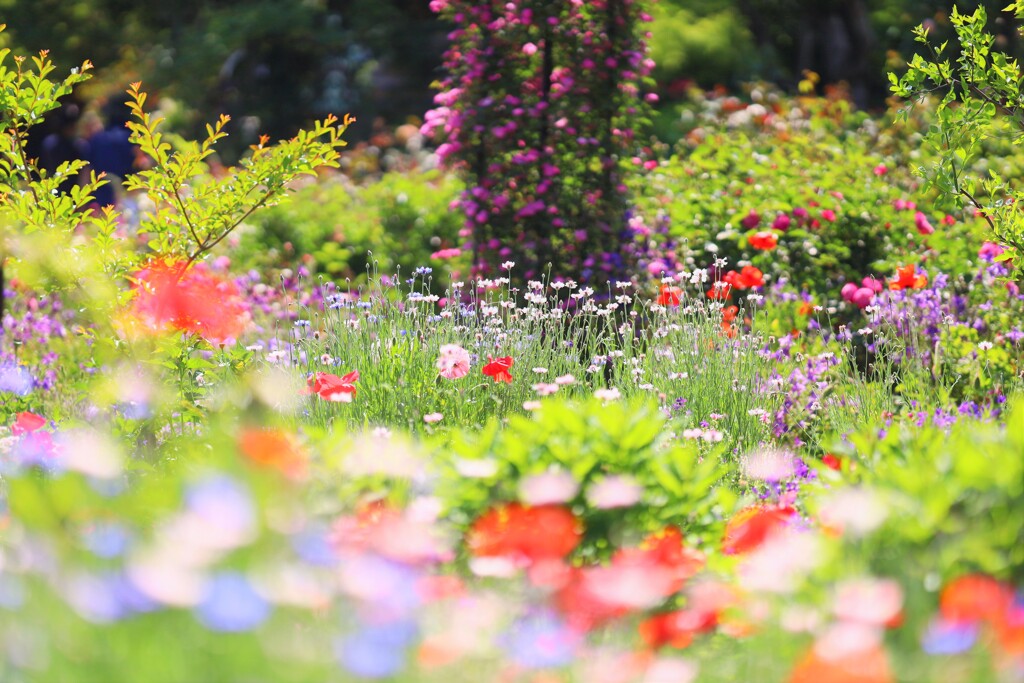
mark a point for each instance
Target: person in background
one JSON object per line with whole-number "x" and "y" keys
{"x": 111, "y": 152}
{"x": 63, "y": 144}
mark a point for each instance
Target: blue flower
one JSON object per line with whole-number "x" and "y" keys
{"x": 540, "y": 641}
{"x": 377, "y": 650}
{"x": 949, "y": 637}
{"x": 231, "y": 604}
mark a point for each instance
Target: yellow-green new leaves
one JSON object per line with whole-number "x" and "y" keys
{"x": 980, "y": 98}
{"x": 195, "y": 211}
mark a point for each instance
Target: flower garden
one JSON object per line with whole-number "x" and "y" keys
{"x": 295, "y": 422}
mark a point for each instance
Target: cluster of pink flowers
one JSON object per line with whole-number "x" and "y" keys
{"x": 536, "y": 93}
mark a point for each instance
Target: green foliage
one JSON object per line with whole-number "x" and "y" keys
{"x": 395, "y": 222}
{"x": 712, "y": 48}
{"x": 590, "y": 441}
{"x": 934, "y": 486}
{"x": 981, "y": 98}
{"x": 215, "y": 207}
{"x": 775, "y": 157}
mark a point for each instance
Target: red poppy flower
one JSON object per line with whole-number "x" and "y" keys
{"x": 764, "y": 240}
{"x": 530, "y": 533}
{"x": 498, "y": 368}
{"x": 721, "y": 290}
{"x": 275, "y": 449}
{"x": 750, "y": 527}
{"x": 750, "y": 277}
{"x": 663, "y": 629}
{"x": 906, "y": 279}
{"x": 670, "y": 296}
{"x": 26, "y": 422}
{"x": 583, "y": 610}
{"x": 333, "y": 388}
{"x": 172, "y": 295}
{"x": 975, "y": 597}
{"x": 832, "y": 462}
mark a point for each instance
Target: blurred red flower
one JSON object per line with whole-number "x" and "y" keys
{"x": 975, "y": 597}
{"x": 498, "y": 368}
{"x": 522, "y": 532}
{"x": 26, "y": 422}
{"x": 670, "y": 296}
{"x": 173, "y": 295}
{"x": 751, "y": 526}
{"x": 764, "y": 240}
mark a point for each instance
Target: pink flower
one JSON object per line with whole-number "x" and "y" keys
{"x": 923, "y": 226}
{"x": 862, "y": 298}
{"x": 446, "y": 253}
{"x": 782, "y": 222}
{"x": 989, "y": 251}
{"x": 530, "y": 49}
{"x": 453, "y": 362}
{"x": 615, "y": 491}
{"x": 873, "y": 284}
{"x": 431, "y": 418}
{"x": 829, "y": 215}
{"x": 881, "y": 170}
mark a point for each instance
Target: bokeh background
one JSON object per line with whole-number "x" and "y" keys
{"x": 275, "y": 65}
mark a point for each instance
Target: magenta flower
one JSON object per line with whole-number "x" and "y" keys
{"x": 923, "y": 226}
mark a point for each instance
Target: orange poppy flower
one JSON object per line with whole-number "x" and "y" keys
{"x": 975, "y": 597}
{"x": 907, "y": 279}
{"x": 751, "y": 526}
{"x": 275, "y": 449}
{"x": 670, "y": 296}
{"x": 871, "y": 666}
{"x": 764, "y": 240}
{"x": 531, "y": 533}
{"x": 498, "y": 368}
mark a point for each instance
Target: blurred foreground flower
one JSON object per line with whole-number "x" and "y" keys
{"x": 170, "y": 295}
{"x": 275, "y": 449}
{"x": 524, "y": 533}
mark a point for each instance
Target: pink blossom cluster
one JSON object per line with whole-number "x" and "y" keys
{"x": 538, "y": 110}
